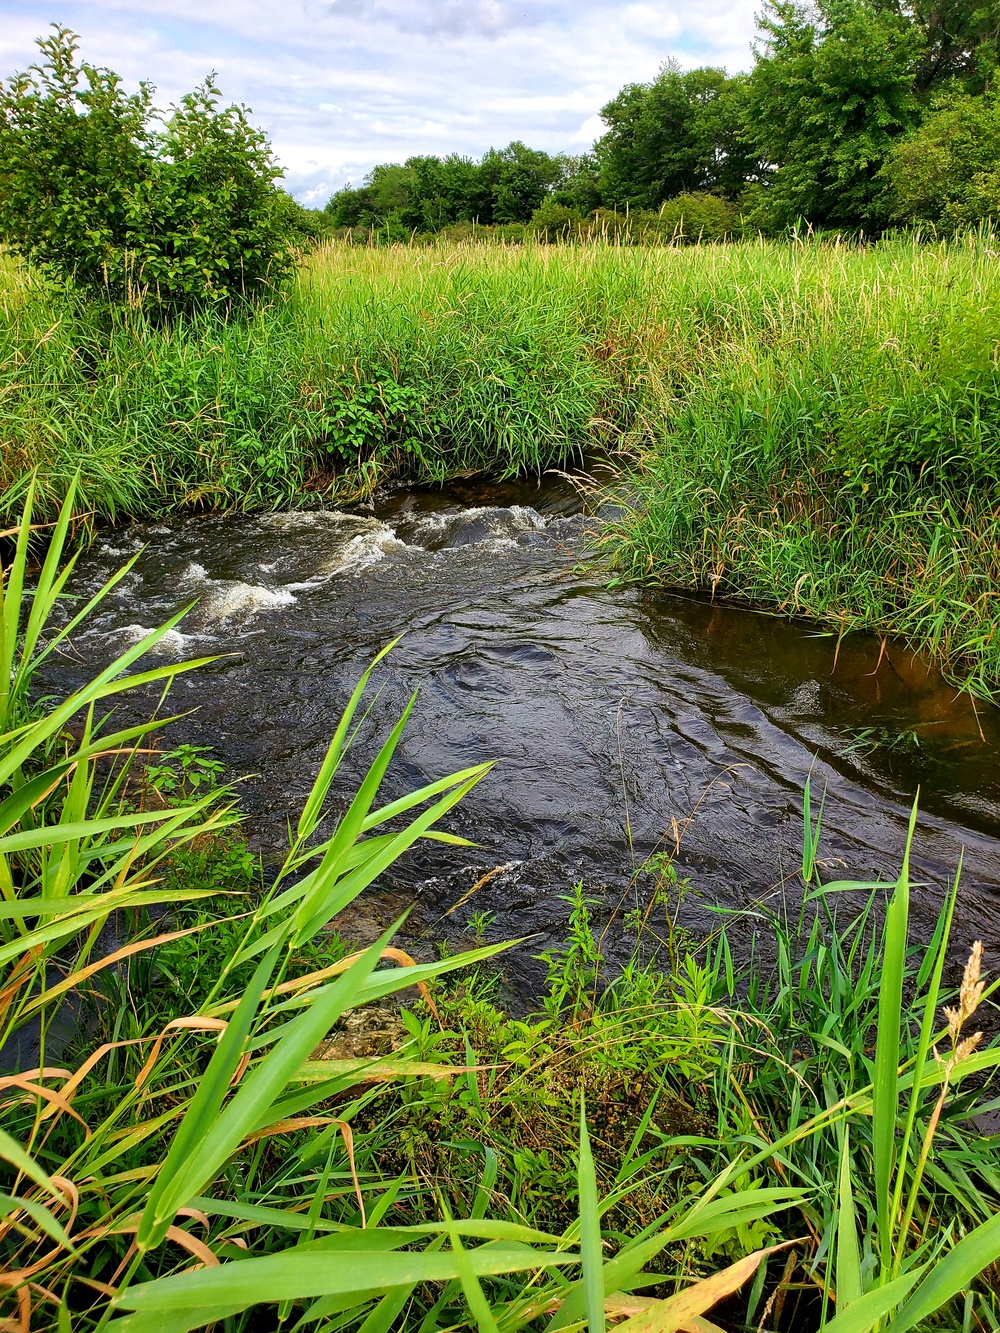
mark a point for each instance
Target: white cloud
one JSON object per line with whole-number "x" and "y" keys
{"x": 342, "y": 84}
{"x": 590, "y": 130}
{"x": 654, "y": 22}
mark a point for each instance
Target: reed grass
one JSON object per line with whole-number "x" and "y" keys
{"x": 810, "y": 427}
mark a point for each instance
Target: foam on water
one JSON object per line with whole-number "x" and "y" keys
{"x": 222, "y": 599}
{"x": 365, "y": 550}
{"x": 225, "y": 598}
{"x": 173, "y": 643}
{"x": 298, "y": 520}
{"x": 486, "y": 527}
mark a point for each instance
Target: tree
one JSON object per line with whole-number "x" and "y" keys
{"x": 428, "y": 193}
{"x": 515, "y": 180}
{"x": 351, "y": 207}
{"x": 461, "y": 191}
{"x": 947, "y": 172}
{"x": 959, "y": 39}
{"x": 829, "y": 96}
{"x": 579, "y": 186}
{"x": 103, "y": 194}
{"x": 683, "y": 132}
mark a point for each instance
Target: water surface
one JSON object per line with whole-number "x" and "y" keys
{"x": 621, "y": 720}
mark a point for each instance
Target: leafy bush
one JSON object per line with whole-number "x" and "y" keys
{"x": 103, "y": 198}
{"x": 948, "y": 171}
{"x": 697, "y": 217}
{"x": 554, "y": 221}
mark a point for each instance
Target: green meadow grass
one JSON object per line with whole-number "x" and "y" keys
{"x": 810, "y": 427}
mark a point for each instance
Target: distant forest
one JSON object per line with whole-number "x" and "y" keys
{"x": 857, "y": 115}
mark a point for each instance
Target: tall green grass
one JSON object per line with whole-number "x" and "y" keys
{"x": 106, "y": 1166}
{"x": 810, "y": 427}
{"x": 203, "y": 1153}
{"x": 377, "y": 366}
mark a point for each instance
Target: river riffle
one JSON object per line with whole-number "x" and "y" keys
{"x": 622, "y": 721}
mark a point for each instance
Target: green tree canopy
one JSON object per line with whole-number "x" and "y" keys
{"x": 947, "y": 172}
{"x": 428, "y": 193}
{"x": 831, "y": 93}
{"x": 959, "y": 39}
{"x": 683, "y": 132}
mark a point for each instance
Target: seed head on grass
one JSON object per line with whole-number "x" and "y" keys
{"x": 969, "y": 995}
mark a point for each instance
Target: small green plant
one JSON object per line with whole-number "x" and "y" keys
{"x": 572, "y": 969}
{"x": 479, "y": 923}
{"x": 657, "y": 923}
{"x": 182, "y": 773}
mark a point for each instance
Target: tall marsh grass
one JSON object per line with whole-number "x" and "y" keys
{"x": 812, "y": 427}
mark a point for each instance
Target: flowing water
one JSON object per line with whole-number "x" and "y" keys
{"x": 622, "y": 721}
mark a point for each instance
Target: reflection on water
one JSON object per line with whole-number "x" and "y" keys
{"x": 615, "y": 714}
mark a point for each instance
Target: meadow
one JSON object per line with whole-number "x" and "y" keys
{"x": 811, "y": 427}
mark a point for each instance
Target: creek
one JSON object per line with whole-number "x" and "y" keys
{"x": 622, "y": 720}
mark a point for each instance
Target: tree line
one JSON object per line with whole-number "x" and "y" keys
{"x": 857, "y": 114}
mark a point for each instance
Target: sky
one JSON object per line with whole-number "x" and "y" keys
{"x": 340, "y": 85}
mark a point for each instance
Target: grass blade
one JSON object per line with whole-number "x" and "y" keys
{"x": 590, "y": 1231}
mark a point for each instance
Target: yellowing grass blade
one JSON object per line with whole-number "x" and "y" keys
{"x": 679, "y": 1312}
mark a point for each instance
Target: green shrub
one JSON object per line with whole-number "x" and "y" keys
{"x": 101, "y": 198}
{"x": 948, "y": 171}
{"x": 697, "y": 217}
{"x": 554, "y": 222}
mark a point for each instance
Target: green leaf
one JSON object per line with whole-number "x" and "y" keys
{"x": 48, "y": 1223}
{"x": 590, "y": 1231}
{"x": 849, "y": 1288}
{"x": 172, "y": 1189}
{"x": 864, "y": 1314}
{"x": 885, "y": 1085}
{"x": 299, "y": 1274}
{"x": 11, "y": 1151}
{"x": 950, "y": 1275}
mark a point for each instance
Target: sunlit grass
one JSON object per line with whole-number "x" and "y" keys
{"x": 811, "y": 427}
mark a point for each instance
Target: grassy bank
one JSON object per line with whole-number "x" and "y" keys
{"x": 381, "y": 364}
{"x": 809, "y": 427}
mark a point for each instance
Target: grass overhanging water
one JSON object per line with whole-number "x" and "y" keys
{"x": 811, "y": 427}
{"x": 798, "y": 1142}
